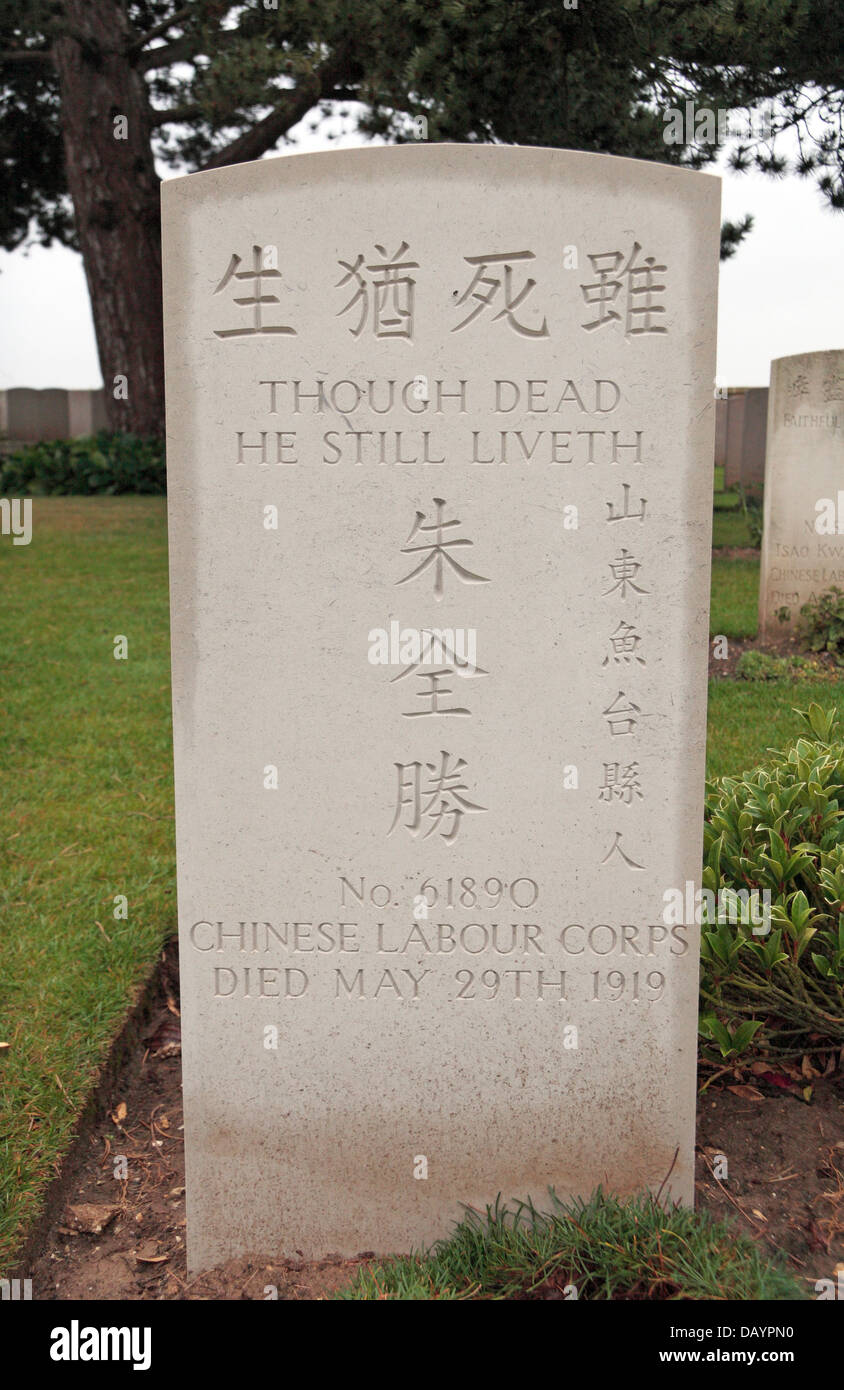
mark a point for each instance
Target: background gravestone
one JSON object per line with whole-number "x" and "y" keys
{"x": 721, "y": 416}
{"x": 32, "y": 415}
{"x": 735, "y": 438}
{"x": 804, "y": 464}
{"x": 754, "y": 435}
{"x": 86, "y": 411}
{"x": 424, "y": 957}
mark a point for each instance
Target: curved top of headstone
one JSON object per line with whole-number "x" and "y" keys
{"x": 452, "y": 157}
{"x": 800, "y": 356}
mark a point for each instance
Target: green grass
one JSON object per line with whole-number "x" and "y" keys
{"x": 730, "y": 528}
{"x": 746, "y": 718}
{"x": 87, "y": 814}
{"x": 726, "y": 501}
{"x": 735, "y": 597}
{"x": 595, "y": 1250}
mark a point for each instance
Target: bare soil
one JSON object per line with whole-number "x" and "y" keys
{"x": 781, "y": 1135}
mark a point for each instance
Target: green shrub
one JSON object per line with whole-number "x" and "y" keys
{"x": 602, "y": 1249}
{"x": 760, "y": 666}
{"x": 101, "y": 463}
{"x": 822, "y": 623}
{"x": 779, "y": 827}
{"x": 753, "y": 515}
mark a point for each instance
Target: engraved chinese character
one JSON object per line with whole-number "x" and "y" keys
{"x": 624, "y": 642}
{"x": 626, "y": 515}
{"x": 621, "y": 718}
{"x": 442, "y": 799}
{"x": 833, "y": 387}
{"x": 388, "y": 300}
{"x": 437, "y": 643}
{"x": 621, "y": 783}
{"x": 485, "y": 286}
{"x": 257, "y": 275}
{"x": 635, "y": 282}
{"x": 615, "y": 848}
{"x": 624, "y": 570}
{"x": 436, "y": 553}
{"x": 799, "y": 385}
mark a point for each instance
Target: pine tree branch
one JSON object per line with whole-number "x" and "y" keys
{"x": 175, "y": 115}
{"x": 185, "y": 49}
{"x": 255, "y": 142}
{"x": 296, "y": 104}
{"x": 27, "y": 55}
{"x": 161, "y": 29}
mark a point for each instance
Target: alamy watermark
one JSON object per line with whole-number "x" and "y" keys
{"x": 748, "y": 907}
{"x": 454, "y": 647}
{"x": 700, "y": 125}
{"x": 16, "y": 519}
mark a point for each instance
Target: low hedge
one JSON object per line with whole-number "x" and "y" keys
{"x": 98, "y": 464}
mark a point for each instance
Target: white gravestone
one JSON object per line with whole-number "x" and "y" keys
{"x": 467, "y": 392}
{"x": 803, "y": 535}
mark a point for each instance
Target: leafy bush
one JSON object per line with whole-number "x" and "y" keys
{"x": 101, "y": 463}
{"x": 822, "y": 623}
{"x": 779, "y": 827}
{"x": 753, "y": 515}
{"x": 600, "y": 1249}
{"x": 760, "y": 666}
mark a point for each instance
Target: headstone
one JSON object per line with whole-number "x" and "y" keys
{"x": 80, "y": 414}
{"x": 86, "y": 412}
{"x": 99, "y": 419}
{"x": 426, "y": 956}
{"x": 803, "y": 536}
{"x": 721, "y": 414}
{"x": 735, "y": 437}
{"x": 754, "y": 433}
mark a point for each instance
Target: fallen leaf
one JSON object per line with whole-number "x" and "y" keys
{"x": 148, "y": 1253}
{"x": 774, "y": 1078}
{"x": 120, "y": 1113}
{"x": 746, "y": 1092}
{"x": 761, "y": 1215}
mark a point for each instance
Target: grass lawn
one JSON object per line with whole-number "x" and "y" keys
{"x": 87, "y": 813}
{"x": 730, "y": 528}
{"x": 735, "y": 597}
{"x": 746, "y": 718}
{"x": 87, "y": 801}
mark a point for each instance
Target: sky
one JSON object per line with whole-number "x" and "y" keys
{"x": 782, "y": 292}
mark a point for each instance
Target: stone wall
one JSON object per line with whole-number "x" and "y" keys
{"x": 28, "y": 415}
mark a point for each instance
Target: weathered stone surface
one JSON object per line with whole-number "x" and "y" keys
{"x": 423, "y": 945}
{"x": 754, "y": 434}
{"x": 803, "y": 540}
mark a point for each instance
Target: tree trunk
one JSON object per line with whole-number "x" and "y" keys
{"x": 115, "y": 190}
